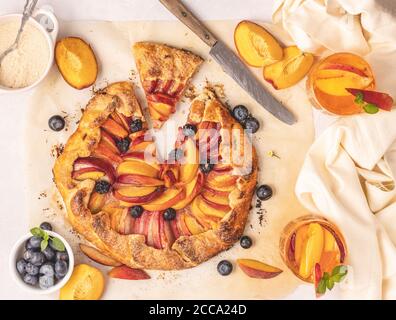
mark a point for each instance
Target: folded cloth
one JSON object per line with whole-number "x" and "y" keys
{"x": 349, "y": 172}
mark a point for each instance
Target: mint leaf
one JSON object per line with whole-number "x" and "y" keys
{"x": 330, "y": 284}
{"x": 37, "y": 232}
{"x": 57, "y": 244}
{"x": 370, "y": 108}
{"x": 46, "y": 236}
{"x": 321, "y": 289}
{"x": 359, "y": 98}
{"x": 44, "y": 244}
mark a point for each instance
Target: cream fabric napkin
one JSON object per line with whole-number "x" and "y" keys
{"x": 349, "y": 172}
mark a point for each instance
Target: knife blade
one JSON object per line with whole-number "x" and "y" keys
{"x": 237, "y": 70}
{"x": 231, "y": 63}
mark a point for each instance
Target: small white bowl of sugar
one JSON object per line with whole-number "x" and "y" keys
{"x": 26, "y": 66}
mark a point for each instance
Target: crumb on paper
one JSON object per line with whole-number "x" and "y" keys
{"x": 42, "y": 195}
{"x": 191, "y": 92}
{"x": 57, "y": 150}
{"x": 216, "y": 88}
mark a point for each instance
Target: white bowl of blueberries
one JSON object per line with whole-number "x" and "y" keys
{"x": 42, "y": 261}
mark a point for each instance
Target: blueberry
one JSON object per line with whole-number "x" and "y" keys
{"x": 246, "y": 242}
{"x": 123, "y": 144}
{"x": 27, "y": 255}
{"x": 224, "y": 267}
{"x": 35, "y": 242}
{"x": 21, "y": 266}
{"x": 46, "y": 281}
{"x": 251, "y": 124}
{"x": 175, "y": 155}
{"x": 47, "y": 269}
{"x": 61, "y": 268}
{"x": 59, "y": 277}
{"x": 28, "y": 246}
{"x": 264, "y": 192}
{"x": 136, "y": 125}
{"x": 32, "y": 269}
{"x": 136, "y": 211}
{"x": 37, "y": 259}
{"x": 29, "y": 279}
{"x": 56, "y": 123}
{"x": 206, "y": 167}
{"x": 102, "y": 186}
{"x": 240, "y": 113}
{"x": 189, "y": 130}
{"x": 49, "y": 253}
{"x": 169, "y": 214}
{"x": 46, "y": 226}
{"x": 62, "y": 256}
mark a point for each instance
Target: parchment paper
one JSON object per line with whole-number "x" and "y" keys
{"x": 112, "y": 42}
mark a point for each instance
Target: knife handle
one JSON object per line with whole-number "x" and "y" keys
{"x": 185, "y": 15}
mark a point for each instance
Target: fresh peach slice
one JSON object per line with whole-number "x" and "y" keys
{"x": 258, "y": 269}
{"x": 76, "y": 62}
{"x": 190, "y": 165}
{"x": 129, "y": 196}
{"x": 192, "y": 189}
{"x": 137, "y": 180}
{"x": 334, "y": 82}
{"x": 209, "y": 209}
{"x": 167, "y": 200}
{"x": 126, "y": 273}
{"x": 312, "y": 251}
{"x": 382, "y": 100}
{"x": 255, "y": 45}
{"x": 287, "y": 72}
{"x": 114, "y": 128}
{"x": 193, "y": 225}
{"x": 137, "y": 167}
{"x": 98, "y": 257}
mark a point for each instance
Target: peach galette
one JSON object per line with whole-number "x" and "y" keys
{"x": 164, "y": 72}
{"x": 147, "y": 213}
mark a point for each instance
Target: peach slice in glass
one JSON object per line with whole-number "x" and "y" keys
{"x": 313, "y": 250}
{"x": 334, "y": 82}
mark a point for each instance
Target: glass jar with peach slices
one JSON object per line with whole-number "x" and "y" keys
{"x": 315, "y": 251}
{"x": 330, "y": 78}
{"x": 343, "y": 84}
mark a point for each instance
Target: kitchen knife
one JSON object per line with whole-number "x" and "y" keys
{"x": 230, "y": 62}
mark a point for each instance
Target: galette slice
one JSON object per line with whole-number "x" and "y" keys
{"x": 164, "y": 72}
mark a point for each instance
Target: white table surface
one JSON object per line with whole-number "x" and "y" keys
{"x": 13, "y": 108}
